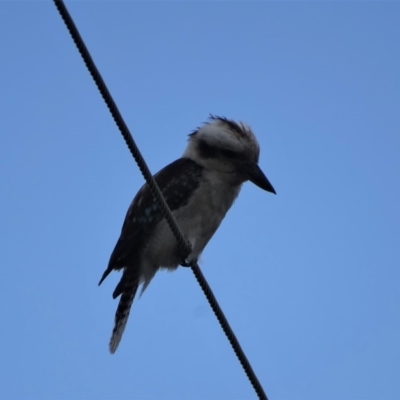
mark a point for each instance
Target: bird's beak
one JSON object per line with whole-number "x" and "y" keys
{"x": 255, "y": 175}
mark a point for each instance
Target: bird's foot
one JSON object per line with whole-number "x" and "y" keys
{"x": 186, "y": 259}
{"x": 184, "y": 263}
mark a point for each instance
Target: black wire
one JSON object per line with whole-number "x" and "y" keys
{"x": 155, "y": 190}
{"x": 229, "y": 332}
{"x": 182, "y": 242}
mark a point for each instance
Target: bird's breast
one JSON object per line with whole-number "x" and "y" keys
{"x": 198, "y": 220}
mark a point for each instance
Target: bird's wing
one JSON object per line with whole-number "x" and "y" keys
{"x": 177, "y": 182}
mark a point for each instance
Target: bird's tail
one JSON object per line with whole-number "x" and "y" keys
{"x": 124, "y": 307}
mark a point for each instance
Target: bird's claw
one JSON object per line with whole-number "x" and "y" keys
{"x": 185, "y": 263}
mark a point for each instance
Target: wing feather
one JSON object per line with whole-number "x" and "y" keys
{"x": 177, "y": 182}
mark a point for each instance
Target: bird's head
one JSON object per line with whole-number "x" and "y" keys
{"x": 230, "y": 148}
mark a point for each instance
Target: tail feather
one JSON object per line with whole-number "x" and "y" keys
{"x": 116, "y": 261}
{"x": 118, "y": 289}
{"x": 122, "y": 313}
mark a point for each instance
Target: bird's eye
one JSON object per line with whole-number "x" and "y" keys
{"x": 228, "y": 153}
{"x": 206, "y": 150}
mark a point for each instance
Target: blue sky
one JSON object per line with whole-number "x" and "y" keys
{"x": 309, "y": 279}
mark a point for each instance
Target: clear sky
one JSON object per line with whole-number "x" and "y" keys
{"x": 309, "y": 279}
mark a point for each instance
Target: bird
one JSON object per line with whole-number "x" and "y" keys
{"x": 199, "y": 188}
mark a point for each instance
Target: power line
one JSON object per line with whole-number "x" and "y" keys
{"x": 182, "y": 242}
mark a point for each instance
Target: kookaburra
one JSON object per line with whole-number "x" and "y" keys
{"x": 199, "y": 189}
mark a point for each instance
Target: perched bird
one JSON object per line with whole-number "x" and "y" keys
{"x": 199, "y": 188}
